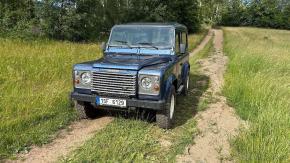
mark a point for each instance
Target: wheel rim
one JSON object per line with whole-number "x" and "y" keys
{"x": 187, "y": 83}
{"x": 172, "y": 105}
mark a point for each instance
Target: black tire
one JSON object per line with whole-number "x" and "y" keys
{"x": 85, "y": 110}
{"x": 163, "y": 118}
{"x": 186, "y": 86}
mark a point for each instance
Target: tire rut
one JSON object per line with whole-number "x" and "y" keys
{"x": 66, "y": 141}
{"x": 202, "y": 44}
{"x": 218, "y": 123}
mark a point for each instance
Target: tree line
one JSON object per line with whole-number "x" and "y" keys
{"x": 79, "y": 20}
{"x": 89, "y": 19}
{"x": 259, "y": 13}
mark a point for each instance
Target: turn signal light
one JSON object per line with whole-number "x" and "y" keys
{"x": 156, "y": 87}
{"x": 77, "y": 81}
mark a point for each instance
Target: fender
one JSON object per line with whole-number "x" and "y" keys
{"x": 170, "y": 80}
{"x": 185, "y": 70}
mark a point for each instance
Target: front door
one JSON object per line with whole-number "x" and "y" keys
{"x": 180, "y": 38}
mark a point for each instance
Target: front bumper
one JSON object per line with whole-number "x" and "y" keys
{"x": 154, "y": 105}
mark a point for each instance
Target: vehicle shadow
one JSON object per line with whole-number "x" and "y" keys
{"x": 136, "y": 114}
{"x": 187, "y": 105}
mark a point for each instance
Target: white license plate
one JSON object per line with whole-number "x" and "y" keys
{"x": 111, "y": 102}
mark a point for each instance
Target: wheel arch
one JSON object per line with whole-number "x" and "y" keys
{"x": 171, "y": 80}
{"x": 185, "y": 70}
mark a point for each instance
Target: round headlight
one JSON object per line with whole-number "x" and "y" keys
{"x": 146, "y": 83}
{"x": 86, "y": 78}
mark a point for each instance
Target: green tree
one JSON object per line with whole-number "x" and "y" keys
{"x": 17, "y": 17}
{"x": 286, "y": 16}
{"x": 234, "y": 13}
{"x": 260, "y": 13}
{"x": 90, "y": 20}
{"x": 211, "y": 10}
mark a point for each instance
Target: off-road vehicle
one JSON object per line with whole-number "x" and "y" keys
{"x": 144, "y": 66}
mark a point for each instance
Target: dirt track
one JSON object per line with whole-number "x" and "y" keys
{"x": 67, "y": 140}
{"x": 202, "y": 44}
{"x": 219, "y": 122}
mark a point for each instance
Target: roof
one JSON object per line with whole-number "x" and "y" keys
{"x": 171, "y": 24}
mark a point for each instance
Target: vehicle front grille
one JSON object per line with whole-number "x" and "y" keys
{"x": 114, "y": 84}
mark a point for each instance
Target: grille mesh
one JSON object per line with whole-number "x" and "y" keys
{"x": 114, "y": 84}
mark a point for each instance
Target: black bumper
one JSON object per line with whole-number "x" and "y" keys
{"x": 154, "y": 105}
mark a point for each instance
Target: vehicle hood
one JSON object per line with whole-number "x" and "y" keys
{"x": 131, "y": 62}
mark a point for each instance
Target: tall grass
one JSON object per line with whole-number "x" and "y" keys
{"x": 195, "y": 39}
{"x": 35, "y": 80}
{"x": 257, "y": 83}
{"x": 132, "y": 140}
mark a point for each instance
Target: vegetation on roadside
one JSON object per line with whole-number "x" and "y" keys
{"x": 195, "y": 39}
{"x": 133, "y": 140}
{"x": 35, "y": 82}
{"x": 257, "y": 85}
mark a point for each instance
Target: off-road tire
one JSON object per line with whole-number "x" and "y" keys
{"x": 163, "y": 119}
{"x": 85, "y": 110}
{"x": 186, "y": 86}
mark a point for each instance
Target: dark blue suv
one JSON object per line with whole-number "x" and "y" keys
{"x": 144, "y": 66}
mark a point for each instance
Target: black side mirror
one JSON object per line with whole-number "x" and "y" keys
{"x": 103, "y": 46}
{"x": 182, "y": 48}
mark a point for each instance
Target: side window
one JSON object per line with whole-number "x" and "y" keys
{"x": 177, "y": 42}
{"x": 184, "y": 38}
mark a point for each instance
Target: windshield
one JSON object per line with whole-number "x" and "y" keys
{"x": 142, "y": 36}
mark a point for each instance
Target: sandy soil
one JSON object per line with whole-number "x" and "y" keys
{"x": 219, "y": 122}
{"x": 67, "y": 140}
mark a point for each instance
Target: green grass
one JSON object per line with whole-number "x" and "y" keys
{"x": 132, "y": 140}
{"x": 35, "y": 80}
{"x": 195, "y": 39}
{"x": 257, "y": 85}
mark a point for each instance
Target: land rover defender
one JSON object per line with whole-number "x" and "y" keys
{"x": 144, "y": 65}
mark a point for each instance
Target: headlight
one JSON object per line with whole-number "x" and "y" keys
{"x": 146, "y": 83}
{"x": 82, "y": 79}
{"x": 149, "y": 84}
{"x": 86, "y": 78}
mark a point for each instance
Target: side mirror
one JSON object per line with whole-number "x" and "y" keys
{"x": 182, "y": 48}
{"x": 103, "y": 46}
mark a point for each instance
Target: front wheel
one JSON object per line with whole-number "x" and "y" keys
{"x": 85, "y": 110}
{"x": 165, "y": 118}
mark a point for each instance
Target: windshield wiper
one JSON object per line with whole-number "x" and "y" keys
{"x": 149, "y": 44}
{"x": 122, "y": 42}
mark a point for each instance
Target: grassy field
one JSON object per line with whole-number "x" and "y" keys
{"x": 35, "y": 81}
{"x": 130, "y": 140}
{"x": 258, "y": 86}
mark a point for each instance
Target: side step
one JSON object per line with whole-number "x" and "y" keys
{"x": 180, "y": 89}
